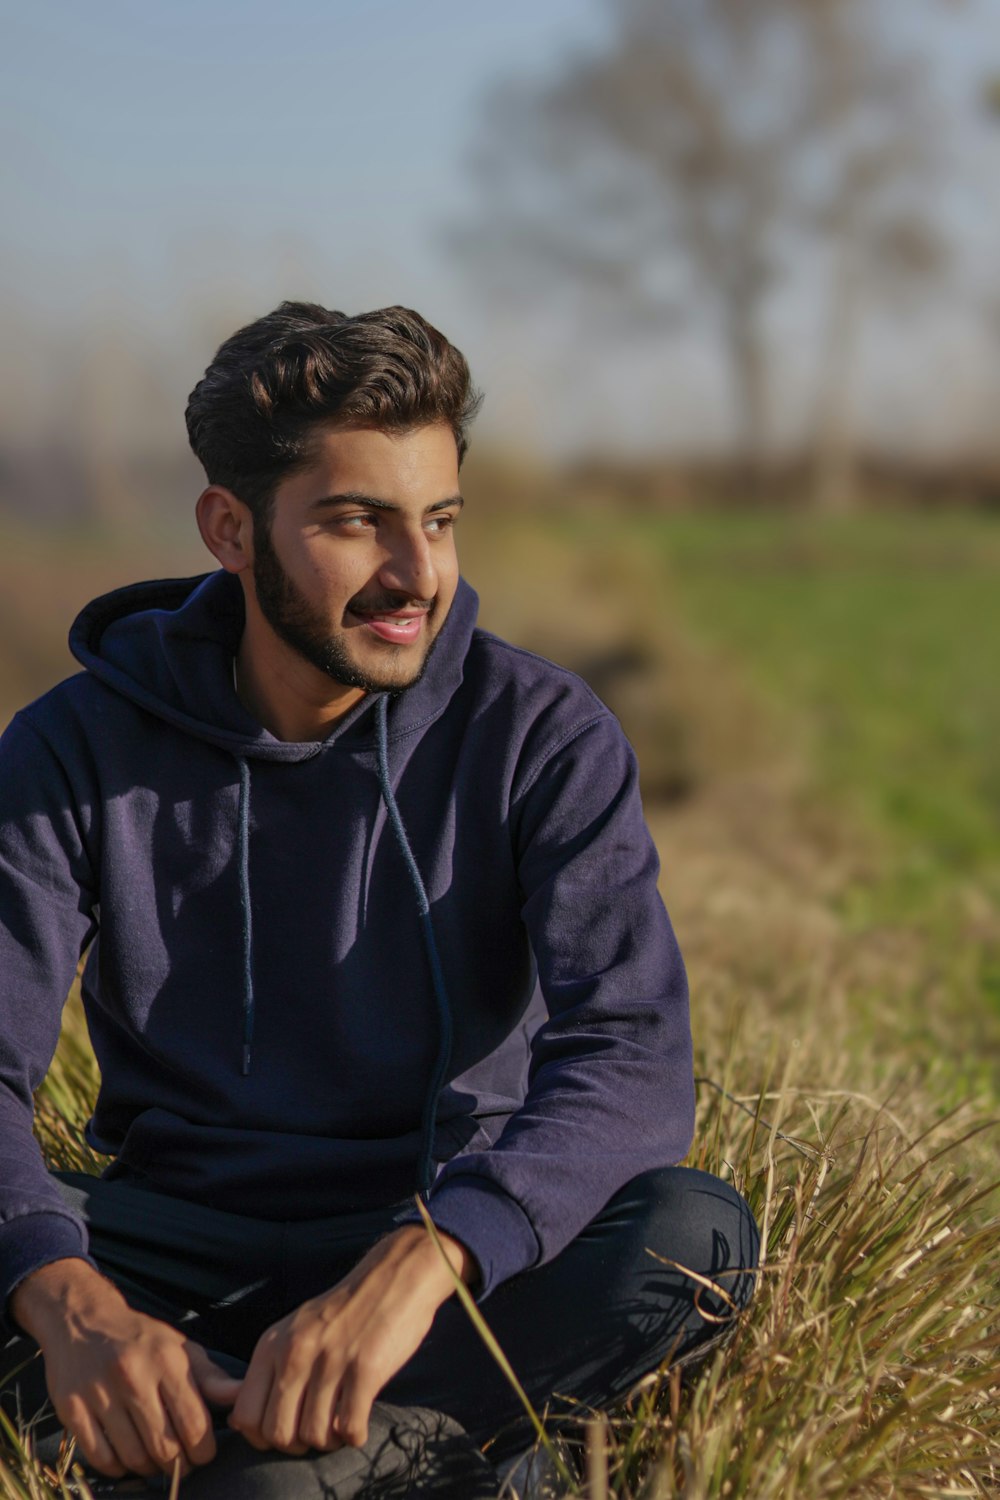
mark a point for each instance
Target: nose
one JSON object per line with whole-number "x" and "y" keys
{"x": 408, "y": 567}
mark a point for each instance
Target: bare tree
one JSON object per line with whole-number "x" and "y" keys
{"x": 680, "y": 171}
{"x": 869, "y": 164}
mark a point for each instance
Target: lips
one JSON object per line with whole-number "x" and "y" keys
{"x": 400, "y": 627}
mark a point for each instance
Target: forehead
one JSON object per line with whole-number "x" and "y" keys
{"x": 384, "y": 465}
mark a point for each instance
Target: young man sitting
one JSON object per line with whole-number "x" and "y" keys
{"x": 371, "y": 910}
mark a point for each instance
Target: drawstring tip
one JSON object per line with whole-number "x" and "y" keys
{"x": 246, "y": 1059}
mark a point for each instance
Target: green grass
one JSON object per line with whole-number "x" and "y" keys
{"x": 878, "y": 639}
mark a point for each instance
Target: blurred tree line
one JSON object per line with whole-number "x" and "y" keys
{"x": 694, "y": 165}
{"x": 711, "y": 162}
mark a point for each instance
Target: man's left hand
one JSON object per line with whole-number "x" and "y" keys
{"x": 315, "y": 1374}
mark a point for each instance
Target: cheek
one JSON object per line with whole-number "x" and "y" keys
{"x": 337, "y": 579}
{"x": 448, "y": 571}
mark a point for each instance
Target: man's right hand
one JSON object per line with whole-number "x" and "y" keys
{"x": 130, "y": 1389}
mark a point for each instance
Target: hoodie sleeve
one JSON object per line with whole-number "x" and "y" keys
{"x": 46, "y": 920}
{"x": 610, "y": 1085}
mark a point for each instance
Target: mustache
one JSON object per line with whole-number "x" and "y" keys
{"x": 374, "y": 604}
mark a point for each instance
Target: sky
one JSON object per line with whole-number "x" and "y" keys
{"x": 169, "y": 169}
{"x": 138, "y": 132}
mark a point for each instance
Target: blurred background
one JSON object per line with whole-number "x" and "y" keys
{"x": 729, "y": 275}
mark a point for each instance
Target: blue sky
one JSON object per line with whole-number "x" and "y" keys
{"x": 172, "y": 164}
{"x": 136, "y": 132}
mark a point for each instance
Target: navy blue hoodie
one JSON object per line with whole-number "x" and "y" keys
{"x": 260, "y": 986}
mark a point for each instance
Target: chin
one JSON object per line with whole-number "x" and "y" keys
{"x": 390, "y": 672}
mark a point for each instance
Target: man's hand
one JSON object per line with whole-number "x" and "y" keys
{"x": 130, "y": 1389}
{"x": 314, "y": 1375}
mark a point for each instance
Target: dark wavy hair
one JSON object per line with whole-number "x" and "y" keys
{"x": 252, "y": 416}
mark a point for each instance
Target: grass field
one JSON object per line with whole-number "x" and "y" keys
{"x": 817, "y": 720}
{"x": 879, "y": 639}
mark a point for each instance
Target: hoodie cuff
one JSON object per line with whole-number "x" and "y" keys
{"x": 491, "y": 1226}
{"x": 29, "y": 1242}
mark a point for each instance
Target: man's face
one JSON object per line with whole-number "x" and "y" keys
{"x": 358, "y": 569}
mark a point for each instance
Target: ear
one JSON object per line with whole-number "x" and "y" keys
{"x": 226, "y": 527}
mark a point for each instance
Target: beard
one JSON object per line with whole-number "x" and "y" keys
{"x": 299, "y": 625}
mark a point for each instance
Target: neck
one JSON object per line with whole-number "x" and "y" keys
{"x": 293, "y": 699}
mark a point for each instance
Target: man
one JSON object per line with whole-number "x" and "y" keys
{"x": 326, "y": 841}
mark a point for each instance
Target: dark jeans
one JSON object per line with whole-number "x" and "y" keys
{"x": 587, "y": 1325}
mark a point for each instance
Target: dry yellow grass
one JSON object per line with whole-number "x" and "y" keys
{"x": 845, "y": 1086}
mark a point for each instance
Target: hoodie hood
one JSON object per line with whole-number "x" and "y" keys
{"x": 168, "y": 646}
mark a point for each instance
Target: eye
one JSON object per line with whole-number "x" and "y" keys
{"x": 359, "y": 522}
{"x": 439, "y": 524}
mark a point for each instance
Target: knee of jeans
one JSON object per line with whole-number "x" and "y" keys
{"x": 706, "y": 1219}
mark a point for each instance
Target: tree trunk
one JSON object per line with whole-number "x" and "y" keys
{"x": 751, "y": 396}
{"x": 834, "y": 482}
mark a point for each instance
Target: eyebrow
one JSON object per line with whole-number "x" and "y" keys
{"x": 369, "y": 502}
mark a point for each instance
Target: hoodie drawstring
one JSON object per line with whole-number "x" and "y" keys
{"x": 443, "y": 1060}
{"x": 244, "y": 855}
{"x": 438, "y": 1077}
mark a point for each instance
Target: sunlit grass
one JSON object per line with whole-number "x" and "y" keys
{"x": 869, "y": 1362}
{"x": 875, "y": 638}
{"x": 820, "y": 726}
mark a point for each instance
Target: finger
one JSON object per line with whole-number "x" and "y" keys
{"x": 124, "y": 1438}
{"x": 156, "y": 1431}
{"x": 90, "y": 1439}
{"x": 218, "y": 1388}
{"x": 255, "y": 1437}
{"x": 354, "y": 1407}
{"x": 215, "y": 1384}
{"x": 190, "y": 1418}
{"x": 263, "y": 1424}
{"x": 247, "y": 1415}
{"x": 178, "y": 1459}
{"x": 316, "y": 1425}
{"x": 281, "y": 1414}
